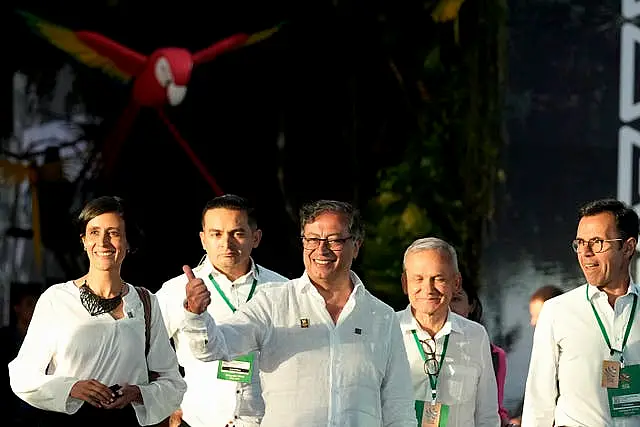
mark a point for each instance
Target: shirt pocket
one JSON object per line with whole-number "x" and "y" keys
{"x": 460, "y": 384}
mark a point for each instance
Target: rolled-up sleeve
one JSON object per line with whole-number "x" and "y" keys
{"x": 487, "y": 393}
{"x": 541, "y": 390}
{"x": 162, "y": 396}
{"x": 396, "y": 392}
{"x": 28, "y": 371}
{"x": 246, "y": 331}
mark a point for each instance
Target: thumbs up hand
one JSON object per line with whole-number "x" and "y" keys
{"x": 198, "y": 296}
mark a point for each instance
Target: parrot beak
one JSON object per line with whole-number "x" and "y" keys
{"x": 175, "y": 93}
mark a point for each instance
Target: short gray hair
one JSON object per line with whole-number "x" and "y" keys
{"x": 429, "y": 244}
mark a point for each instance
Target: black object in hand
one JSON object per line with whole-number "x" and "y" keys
{"x": 114, "y": 388}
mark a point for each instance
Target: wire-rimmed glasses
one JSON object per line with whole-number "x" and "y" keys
{"x": 431, "y": 364}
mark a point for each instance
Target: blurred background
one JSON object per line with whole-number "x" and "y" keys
{"x": 484, "y": 123}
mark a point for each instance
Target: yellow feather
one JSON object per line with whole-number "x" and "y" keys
{"x": 67, "y": 41}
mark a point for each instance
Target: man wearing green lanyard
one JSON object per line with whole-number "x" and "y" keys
{"x": 449, "y": 355}
{"x": 585, "y": 361}
{"x": 220, "y": 393}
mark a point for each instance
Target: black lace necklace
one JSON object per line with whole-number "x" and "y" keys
{"x": 95, "y": 304}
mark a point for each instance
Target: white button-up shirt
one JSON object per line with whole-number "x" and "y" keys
{"x": 567, "y": 355}
{"x": 466, "y": 382}
{"x": 65, "y": 344}
{"x": 210, "y": 401}
{"x": 315, "y": 372}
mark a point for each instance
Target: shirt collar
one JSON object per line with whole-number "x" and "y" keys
{"x": 207, "y": 268}
{"x": 409, "y": 323}
{"x": 358, "y": 286}
{"x": 593, "y": 290}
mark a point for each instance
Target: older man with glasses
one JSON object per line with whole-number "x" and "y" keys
{"x": 449, "y": 355}
{"x": 331, "y": 353}
{"x": 585, "y": 361}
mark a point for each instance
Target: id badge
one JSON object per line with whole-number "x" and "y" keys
{"x": 624, "y": 401}
{"x": 431, "y": 415}
{"x": 239, "y": 369}
{"x": 610, "y": 373}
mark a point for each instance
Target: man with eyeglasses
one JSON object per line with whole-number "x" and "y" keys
{"x": 331, "y": 353}
{"x": 229, "y": 234}
{"x": 585, "y": 361}
{"x": 450, "y": 358}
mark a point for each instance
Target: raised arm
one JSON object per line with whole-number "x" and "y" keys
{"x": 246, "y": 331}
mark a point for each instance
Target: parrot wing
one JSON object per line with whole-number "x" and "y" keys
{"x": 233, "y": 42}
{"x": 92, "y": 49}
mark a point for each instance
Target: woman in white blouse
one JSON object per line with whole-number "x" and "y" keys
{"x": 83, "y": 357}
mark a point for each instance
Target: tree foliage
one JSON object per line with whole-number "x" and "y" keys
{"x": 448, "y": 60}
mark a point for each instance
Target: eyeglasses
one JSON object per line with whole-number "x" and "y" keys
{"x": 596, "y": 245}
{"x": 431, "y": 364}
{"x": 333, "y": 244}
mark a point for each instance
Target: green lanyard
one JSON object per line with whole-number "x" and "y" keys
{"x": 224, "y": 297}
{"x": 433, "y": 379}
{"x": 604, "y": 332}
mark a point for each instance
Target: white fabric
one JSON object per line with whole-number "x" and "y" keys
{"x": 466, "y": 381}
{"x": 314, "y": 372}
{"x": 77, "y": 346}
{"x": 567, "y": 355}
{"x": 210, "y": 401}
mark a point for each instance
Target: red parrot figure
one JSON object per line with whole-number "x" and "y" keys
{"x": 158, "y": 79}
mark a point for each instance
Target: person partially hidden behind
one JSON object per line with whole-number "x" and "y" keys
{"x": 16, "y": 412}
{"x": 467, "y": 304}
{"x": 83, "y": 358}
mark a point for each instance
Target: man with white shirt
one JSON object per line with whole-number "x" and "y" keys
{"x": 215, "y": 397}
{"x": 331, "y": 353}
{"x": 585, "y": 361}
{"x": 450, "y": 358}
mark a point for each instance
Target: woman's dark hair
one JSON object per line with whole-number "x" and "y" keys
{"x": 474, "y": 301}
{"x": 110, "y": 204}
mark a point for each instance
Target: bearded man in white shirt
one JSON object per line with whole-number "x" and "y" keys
{"x": 214, "y": 396}
{"x": 585, "y": 361}
{"x": 449, "y": 355}
{"x": 331, "y": 353}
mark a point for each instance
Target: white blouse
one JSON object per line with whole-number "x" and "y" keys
{"x": 65, "y": 344}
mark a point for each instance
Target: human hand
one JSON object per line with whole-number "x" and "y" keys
{"x": 93, "y": 392}
{"x": 198, "y": 296}
{"x": 176, "y": 418}
{"x": 124, "y": 396}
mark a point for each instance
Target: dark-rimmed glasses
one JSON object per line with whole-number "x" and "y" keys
{"x": 431, "y": 364}
{"x": 334, "y": 244}
{"x": 596, "y": 245}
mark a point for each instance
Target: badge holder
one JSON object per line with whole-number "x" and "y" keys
{"x": 239, "y": 369}
{"x": 624, "y": 400}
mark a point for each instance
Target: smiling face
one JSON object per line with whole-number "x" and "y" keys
{"x": 105, "y": 241}
{"x": 611, "y": 266}
{"x": 324, "y": 265}
{"x": 430, "y": 281}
